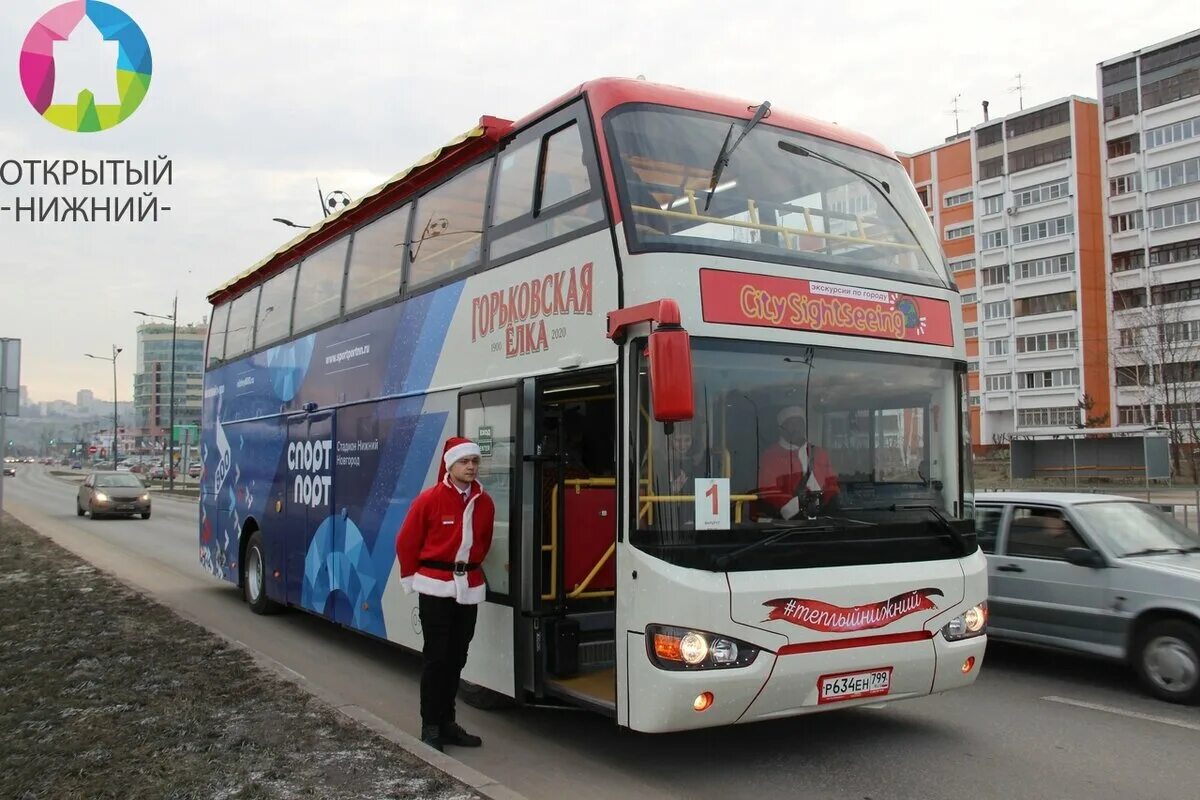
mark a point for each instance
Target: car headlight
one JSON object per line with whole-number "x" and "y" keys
{"x": 146, "y": 497}
{"x": 675, "y": 648}
{"x": 971, "y": 623}
{"x": 101, "y": 497}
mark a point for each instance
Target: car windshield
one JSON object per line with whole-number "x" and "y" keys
{"x": 808, "y": 437}
{"x": 1129, "y": 527}
{"x": 784, "y": 197}
{"x": 118, "y": 482}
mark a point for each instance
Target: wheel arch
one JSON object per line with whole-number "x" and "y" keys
{"x": 1142, "y": 622}
{"x": 249, "y": 528}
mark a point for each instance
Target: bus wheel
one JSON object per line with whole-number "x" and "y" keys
{"x": 254, "y": 578}
{"x": 481, "y": 697}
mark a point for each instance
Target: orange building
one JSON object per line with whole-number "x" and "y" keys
{"x": 1018, "y": 205}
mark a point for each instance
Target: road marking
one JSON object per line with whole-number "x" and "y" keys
{"x": 1191, "y": 726}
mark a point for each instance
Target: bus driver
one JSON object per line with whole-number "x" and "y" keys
{"x": 793, "y": 475}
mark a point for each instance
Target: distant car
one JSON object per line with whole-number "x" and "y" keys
{"x": 194, "y": 470}
{"x": 76, "y": 465}
{"x": 158, "y": 471}
{"x": 110, "y": 493}
{"x": 10, "y": 470}
{"x": 1110, "y": 576}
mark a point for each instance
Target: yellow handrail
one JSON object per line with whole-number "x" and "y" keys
{"x": 760, "y": 226}
{"x": 578, "y": 591}
{"x": 552, "y": 548}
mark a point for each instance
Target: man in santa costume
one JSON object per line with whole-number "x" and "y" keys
{"x": 441, "y": 544}
{"x": 795, "y": 478}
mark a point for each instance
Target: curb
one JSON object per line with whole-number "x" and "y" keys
{"x": 476, "y": 780}
{"x": 471, "y": 777}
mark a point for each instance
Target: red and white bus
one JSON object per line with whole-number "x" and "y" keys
{"x": 715, "y": 363}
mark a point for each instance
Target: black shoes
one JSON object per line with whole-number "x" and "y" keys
{"x": 451, "y": 733}
{"x": 432, "y": 736}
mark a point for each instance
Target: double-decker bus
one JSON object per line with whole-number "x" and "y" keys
{"x": 714, "y": 362}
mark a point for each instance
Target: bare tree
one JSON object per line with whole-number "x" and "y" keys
{"x": 1158, "y": 351}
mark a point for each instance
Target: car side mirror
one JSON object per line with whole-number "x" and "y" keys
{"x": 1084, "y": 557}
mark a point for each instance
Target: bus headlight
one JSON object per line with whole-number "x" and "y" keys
{"x": 674, "y": 648}
{"x": 971, "y": 623}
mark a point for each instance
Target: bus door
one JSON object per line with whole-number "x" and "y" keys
{"x": 571, "y": 537}
{"x": 313, "y": 543}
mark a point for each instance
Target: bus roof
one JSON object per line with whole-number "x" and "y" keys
{"x": 604, "y": 94}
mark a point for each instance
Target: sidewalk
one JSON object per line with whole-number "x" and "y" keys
{"x": 109, "y": 695}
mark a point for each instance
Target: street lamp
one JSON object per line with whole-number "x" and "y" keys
{"x": 116, "y": 352}
{"x": 171, "y": 410}
{"x": 289, "y": 223}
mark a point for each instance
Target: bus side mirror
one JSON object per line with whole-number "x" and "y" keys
{"x": 670, "y": 355}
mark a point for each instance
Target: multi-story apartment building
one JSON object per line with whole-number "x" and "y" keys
{"x": 1151, "y": 102}
{"x": 152, "y": 380}
{"x": 1018, "y": 205}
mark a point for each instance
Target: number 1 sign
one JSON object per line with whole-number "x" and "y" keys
{"x": 712, "y": 504}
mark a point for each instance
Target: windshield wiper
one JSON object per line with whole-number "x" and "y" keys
{"x": 725, "y": 561}
{"x": 937, "y": 514}
{"x": 1162, "y": 551}
{"x": 881, "y": 186}
{"x": 727, "y": 151}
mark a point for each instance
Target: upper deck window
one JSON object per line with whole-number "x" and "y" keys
{"x": 784, "y": 197}
{"x": 216, "y": 334}
{"x": 449, "y": 227}
{"x": 319, "y": 290}
{"x": 376, "y": 260}
{"x": 240, "y": 337}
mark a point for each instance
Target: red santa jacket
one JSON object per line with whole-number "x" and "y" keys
{"x": 440, "y": 527}
{"x": 782, "y": 467}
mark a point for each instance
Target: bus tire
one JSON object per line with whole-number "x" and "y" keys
{"x": 254, "y": 578}
{"x": 483, "y": 698}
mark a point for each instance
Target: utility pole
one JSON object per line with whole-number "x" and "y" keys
{"x": 1020, "y": 90}
{"x": 954, "y": 102}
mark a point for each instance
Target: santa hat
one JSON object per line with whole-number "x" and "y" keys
{"x": 456, "y": 447}
{"x": 790, "y": 412}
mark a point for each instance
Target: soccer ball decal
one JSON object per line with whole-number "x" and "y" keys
{"x": 336, "y": 200}
{"x": 911, "y": 312}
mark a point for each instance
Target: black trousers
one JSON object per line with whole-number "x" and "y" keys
{"x": 447, "y": 627}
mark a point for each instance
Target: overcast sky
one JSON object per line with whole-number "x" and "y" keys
{"x": 254, "y": 100}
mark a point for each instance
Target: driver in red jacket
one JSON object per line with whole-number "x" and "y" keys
{"x": 441, "y": 544}
{"x": 788, "y": 483}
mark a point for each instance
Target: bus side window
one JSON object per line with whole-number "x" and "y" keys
{"x": 448, "y": 227}
{"x": 319, "y": 289}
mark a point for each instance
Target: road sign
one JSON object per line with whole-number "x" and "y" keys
{"x": 92, "y": 450}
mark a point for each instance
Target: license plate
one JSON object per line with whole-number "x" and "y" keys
{"x": 125, "y": 508}
{"x": 854, "y": 685}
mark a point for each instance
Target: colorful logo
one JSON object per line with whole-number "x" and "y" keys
{"x": 828, "y": 618}
{"x": 105, "y": 23}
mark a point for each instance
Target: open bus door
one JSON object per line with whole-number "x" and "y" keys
{"x": 568, "y": 619}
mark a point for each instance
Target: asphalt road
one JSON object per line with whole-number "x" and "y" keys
{"x": 1036, "y": 725}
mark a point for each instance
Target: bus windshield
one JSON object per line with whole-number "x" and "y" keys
{"x": 783, "y": 197}
{"x": 842, "y": 442}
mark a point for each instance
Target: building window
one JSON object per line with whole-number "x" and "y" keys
{"x": 997, "y": 347}
{"x": 1169, "y": 89}
{"x": 1119, "y": 82}
{"x": 1181, "y": 173}
{"x": 998, "y": 383}
{"x": 1180, "y": 292}
{"x": 1129, "y": 221}
{"x": 1130, "y": 259}
{"x": 1123, "y": 184}
{"x": 1129, "y": 298}
{"x": 1128, "y": 336}
{"x": 1043, "y": 342}
{"x": 1036, "y": 121}
{"x": 999, "y": 310}
{"x": 1133, "y": 415}
{"x": 1042, "y": 193}
{"x": 969, "y": 297}
{"x": 959, "y": 232}
{"x": 1040, "y": 267}
{"x": 1059, "y": 226}
{"x": 971, "y": 331}
{"x": 1175, "y": 132}
{"x": 993, "y": 204}
{"x": 962, "y": 264}
{"x": 1044, "y": 304}
{"x": 923, "y": 194}
{"x": 1125, "y": 146}
{"x": 1188, "y": 331}
{"x": 1134, "y": 375}
{"x": 959, "y": 198}
{"x": 1175, "y": 252}
{"x": 1039, "y": 155}
{"x": 1176, "y": 214}
{"x": 1047, "y": 417}
{"x": 991, "y": 168}
{"x": 972, "y": 366}
{"x": 990, "y": 135}
{"x": 993, "y": 276}
{"x": 995, "y": 239}
{"x": 1047, "y": 378}
{"x": 974, "y": 399}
